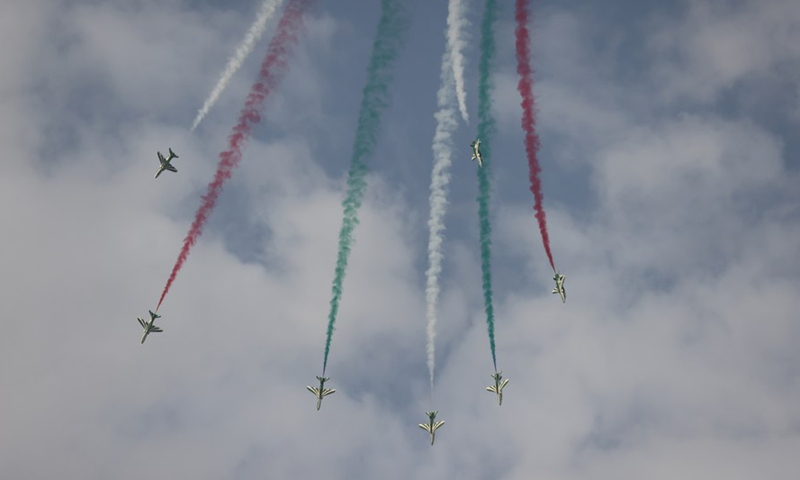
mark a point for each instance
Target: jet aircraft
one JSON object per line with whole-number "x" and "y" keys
{"x": 149, "y": 326}
{"x": 476, "y": 152}
{"x": 321, "y": 391}
{"x": 560, "y": 287}
{"x": 165, "y": 163}
{"x": 432, "y": 424}
{"x": 497, "y": 388}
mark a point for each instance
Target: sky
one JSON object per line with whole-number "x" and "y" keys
{"x": 670, "y": 161}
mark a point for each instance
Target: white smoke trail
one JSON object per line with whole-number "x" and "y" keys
{"x": 242, "y": 51}
{"x": 457, "y": 25}
{"x": 446, "y": 123}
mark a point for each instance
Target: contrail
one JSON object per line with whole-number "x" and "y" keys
{"x": 446, "y": 124}
{"x": 457, "y": 25}
{"x": 375, "y": 98}
{"x": 525, "y": 88}
{"x": 273, "y": 68}
{"x": 486, "y": 129}
{"x": 253, "y": 35}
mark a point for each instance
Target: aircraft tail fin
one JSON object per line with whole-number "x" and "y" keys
{"x": 172, "y": 154}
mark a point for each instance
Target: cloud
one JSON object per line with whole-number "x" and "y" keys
{"x": 675, "y": 355}
{"x": 719, "y": 45}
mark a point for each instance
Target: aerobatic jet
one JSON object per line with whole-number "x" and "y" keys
{"x": 165, "y": 163}
{"x": 476, "y": 152}
{"x": 432, "y": 424}
{"x": 149, "y": 326}
{"x": 560, "y": 287}
{"x": 497, "y": 388}
{"x": 321, "y": 391}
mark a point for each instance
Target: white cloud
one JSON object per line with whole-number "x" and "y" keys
{"x": 719, "y": 44}
{"x": 675, "y": 355}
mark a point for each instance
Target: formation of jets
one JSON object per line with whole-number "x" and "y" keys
{"x": 165, "y": 163}
{"x": 560, "y": 287}
{"x": 476, "y": 152}
{"x": 497, "y": 388}
{"x": 149, "y": 326}
{"x": 432, "y": 424}
{"x": 321, "y": 391}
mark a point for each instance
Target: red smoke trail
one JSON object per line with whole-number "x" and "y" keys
{"x": 272, "y": 69}
{"x": 525, "y": 87}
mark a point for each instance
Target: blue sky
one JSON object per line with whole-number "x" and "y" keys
{"x": 670, "y": 176}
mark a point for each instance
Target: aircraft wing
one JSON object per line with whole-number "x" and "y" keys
{"x": 491, "y": 389}
{"x": 169, "y": 167}
{"x": 156, "y": 330}
{"x": 328, "y": 391}
{"x": 142, "y": 322}
{"x": 313, "y": 390}
{"x": 503, "y": 383}
{"x": 425, "y": 427}
{"x": 161, "y": 157}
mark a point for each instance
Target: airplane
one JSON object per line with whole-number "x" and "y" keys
{"x": 165, "y": 163}
{"x": 476, "y": 152}
{"x": 498, "y": 386}
{"x": 432, "y": 425}
{"x": 321, "y": 391}
{"x": 149, "y": 326}
{"x": 560, "y": 286}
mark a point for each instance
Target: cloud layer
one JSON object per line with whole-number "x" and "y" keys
{"x": 671, "y": 194}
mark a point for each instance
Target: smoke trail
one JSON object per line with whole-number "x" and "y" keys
{"x": 272, "y": 71}
{"x": 242, "y": 51}
{"x": 457, "y": 25}
{"x": 375, "y": 98}
{"x": 525, "y": 87}
{"x": 440, "y": 178}
{"x": 486, "y": 129}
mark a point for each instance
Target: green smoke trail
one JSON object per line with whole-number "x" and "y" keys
{"x": 375, "y": 98}
{"x": 486, "y": 129}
